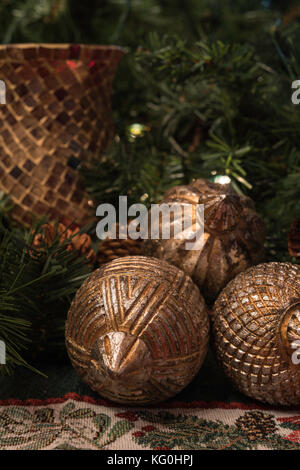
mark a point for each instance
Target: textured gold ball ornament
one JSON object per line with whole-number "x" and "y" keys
{"x": 233, "y": 236}
{"x": 256, "y": 323}
{"x": 137, "y": 330}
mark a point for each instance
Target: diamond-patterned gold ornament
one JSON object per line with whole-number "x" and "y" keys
{"x": 256, "y": 324}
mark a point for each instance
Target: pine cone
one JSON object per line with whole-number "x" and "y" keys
{"x": 294, "y": 239}
{"x": 111, "y": 248}
{"x": 256, "y": 425}
{"x": 78, "y": 241}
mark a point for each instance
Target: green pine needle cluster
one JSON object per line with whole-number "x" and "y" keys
{"x": 13, "y": 328}
{"x": 212, "y": 107}
{"x": 37, "y": 285}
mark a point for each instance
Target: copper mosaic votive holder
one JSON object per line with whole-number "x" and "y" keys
{"x": 57, "y": 115}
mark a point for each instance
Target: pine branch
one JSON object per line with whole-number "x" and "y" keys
{"x": 36, "y": 289}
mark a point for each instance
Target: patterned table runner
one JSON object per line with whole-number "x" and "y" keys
{"x": 74, "y": 422}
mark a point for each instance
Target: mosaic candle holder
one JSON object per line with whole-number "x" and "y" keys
{"x": 57, "y": 115}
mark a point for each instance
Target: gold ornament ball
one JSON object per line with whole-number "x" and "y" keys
{"x": 256, "y": 325}
{"x": 137, "y": 330}
{"x": 233, "y": 236}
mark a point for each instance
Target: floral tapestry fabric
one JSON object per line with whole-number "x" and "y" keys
{"x": 74, "y": 422}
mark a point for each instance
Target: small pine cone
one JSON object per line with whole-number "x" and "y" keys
{"x": 111, "y": 248}
{"x": 294, "y": 239}
{"x": 78, "y": 241}
{"x": 256, "y": 425}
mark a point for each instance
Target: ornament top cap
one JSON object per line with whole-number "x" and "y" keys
{"x": 123, "y": 358}
{"x": 289, "y": 330}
